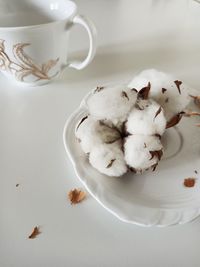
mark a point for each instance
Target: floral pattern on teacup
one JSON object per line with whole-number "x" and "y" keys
{"x": 24, "y": 66}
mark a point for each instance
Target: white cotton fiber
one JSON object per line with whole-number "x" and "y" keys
{"x": 142, "y": 152}
{"x": 146, "y": 119}
{"x": 108, "y": 159}
{"x": 125, "y": 123}
{"x": 91, "y": 132}
{"x": 112, "y": 103}
{"x": 166, "y": 90}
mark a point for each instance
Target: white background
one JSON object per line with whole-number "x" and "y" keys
{"x": 132, "y": 35}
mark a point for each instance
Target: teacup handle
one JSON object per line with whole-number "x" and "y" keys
{"x": 91, "y": 30}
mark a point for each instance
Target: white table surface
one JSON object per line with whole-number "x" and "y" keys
{"x": 133, "y": 35}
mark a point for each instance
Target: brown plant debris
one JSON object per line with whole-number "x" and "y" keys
{"x": 167, "y": 100}
{"x": 191, "y": 114}
{"x": 133, "y": 89}
{"x": 82, "y": 120}
{"x": 35, "y": 233}
{"x": 76, "y": 196}
{"x": 158, "y": 112}
{"x": 178, "y": 84}
{"x": 124, "y": 94}
{"x": 158, "y": 136}
{"x": 156, "y": 153}
{"x": 164, "y": 90}
{"x": 174, "y": 120}
{"x": 154, "y": 167}
{"x": 189, "y": 182}
{"x": 196, "y": 99}
{"x": 144, "y": 92}
{"x": 131, "y": 169}
{"x": 111, "y": 163}
{"x": 98, "y": 89}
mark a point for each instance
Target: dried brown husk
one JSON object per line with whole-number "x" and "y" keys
{"x": 164, "y": 90}
{"x": 35, "y": 232}
{"x": 81, "y": 121}
{"x": 175, "y": 120}
{"x": 158, "y": 136}
{"x": 191, "y": 113}
{"x": 144, "y": 92}
{"x": 133, "y": 89}
{"x": 98, "y": 89}
{"x": 76, "y": 196}
{"x": 132, "y": 169}
{"x": 189, "y": 182}
{"x": 154, "y": 167}
{"x": 178, "y": 84}
{"x": 158, "y": 112}
{"x": 196, "y": 99}
{"x": 124, "y": 94}
{"x": 156, "y": 153}
{"x": 111, "y": 163}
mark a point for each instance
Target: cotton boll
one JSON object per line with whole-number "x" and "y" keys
{"x": 112, "y": 103}
{"x": 169, "y": 92}
{"x": 86, "y": 133}
{"x": 147, "y": 117}
{"x": 142, "y": 152}
{"x": 155, "y": 77}
{"x": 108, "y": 159}
{"x": 171, "y": 100}
{"x": 91, "y": 132}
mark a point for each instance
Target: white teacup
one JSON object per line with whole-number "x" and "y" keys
{"x": 34, "y": 39}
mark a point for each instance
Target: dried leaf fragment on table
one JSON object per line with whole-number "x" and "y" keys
{"x": 35, "y": 232}
{"x": 189, "y": 182}
{"x": 76, "y": 196}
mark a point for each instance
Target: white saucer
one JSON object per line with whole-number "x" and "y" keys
{"x": 154, "y": 198}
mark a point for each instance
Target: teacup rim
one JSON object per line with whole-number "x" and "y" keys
{"x": 35, "y": 26}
